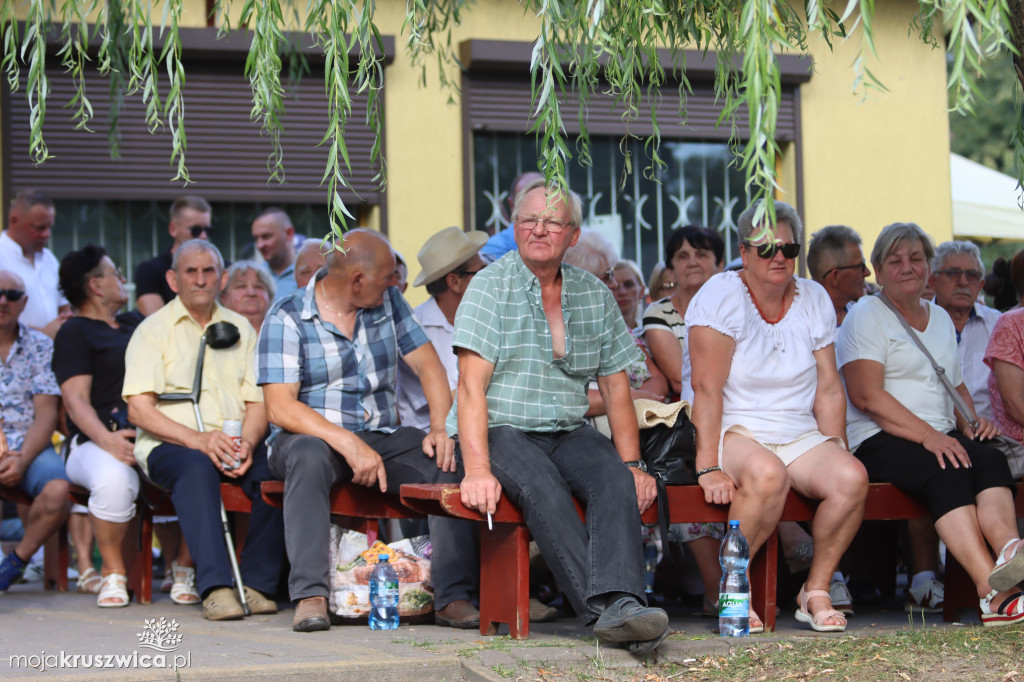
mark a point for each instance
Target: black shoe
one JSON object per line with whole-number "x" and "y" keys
{"x": 627, "y": 621}
{"x": 649, "y": 646}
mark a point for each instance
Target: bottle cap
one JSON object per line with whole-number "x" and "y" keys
{"x": 382, "y": 557}
{"x": 734, "y": 523}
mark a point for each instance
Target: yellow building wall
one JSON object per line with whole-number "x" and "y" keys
{"x": 884, "y": 159}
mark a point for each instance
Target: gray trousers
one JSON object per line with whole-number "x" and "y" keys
{"x": 309, "y": 468}
{"x": 541, "y": 473}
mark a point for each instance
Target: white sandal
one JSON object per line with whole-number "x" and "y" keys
{"x": 114, "y": 589}
{"x": 1009, "y": 570}
{"x": 817, "y": 620}
{"x": 89, "y": 581}
{"x": 184, "y": 591}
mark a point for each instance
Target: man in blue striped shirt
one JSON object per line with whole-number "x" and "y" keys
{"x": 328, "y": 359}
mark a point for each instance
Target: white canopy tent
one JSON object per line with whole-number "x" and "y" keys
{"x": 984, "y": 202}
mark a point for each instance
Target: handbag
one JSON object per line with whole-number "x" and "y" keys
{"x": 1013, "y": 450}
{"x": 668, "y": 445}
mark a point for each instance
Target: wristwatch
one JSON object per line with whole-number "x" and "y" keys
{"x": 638, "y": 464}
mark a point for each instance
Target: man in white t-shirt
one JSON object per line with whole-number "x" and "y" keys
{"x": 23, "y": 251}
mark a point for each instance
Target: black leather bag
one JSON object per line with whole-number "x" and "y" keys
{"x": 671, "y": 455}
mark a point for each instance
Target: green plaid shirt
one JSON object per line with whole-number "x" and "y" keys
{"x": 501, "y": 318}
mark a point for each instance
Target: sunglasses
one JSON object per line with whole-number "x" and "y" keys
{"x": 12, "y": 295}
{"x": 197, "y": 230}
{"x": 790, "y": 250}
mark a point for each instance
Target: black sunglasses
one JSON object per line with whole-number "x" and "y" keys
{"x": 197, "y": 230}
{"x": 12, "y": 295}
{"x": 767, "y": 250}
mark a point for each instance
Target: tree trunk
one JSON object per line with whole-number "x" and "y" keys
{"x": 1017, "y": 36}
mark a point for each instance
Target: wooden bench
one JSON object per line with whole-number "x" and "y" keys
{"x": 355, "y": 507}
{"x": 55, "y": 561}
{"x": 504, "y": 560}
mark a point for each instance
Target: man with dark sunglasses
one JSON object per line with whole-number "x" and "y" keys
{"x": 836, "y": 262}
{"x": 23, "y": 251}
{"x": 29, "y": 397}
{"x": 190, "y": 218}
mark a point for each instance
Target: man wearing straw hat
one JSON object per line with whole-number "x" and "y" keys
{"x": 448, "y": 260}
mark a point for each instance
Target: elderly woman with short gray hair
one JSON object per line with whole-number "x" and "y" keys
{"x": 903, "y": 427}
{"x": 248, "y": 291}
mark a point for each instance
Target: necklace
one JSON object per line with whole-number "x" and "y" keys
{"x": 757, "y": 305}
{"x": 326, "y": 304}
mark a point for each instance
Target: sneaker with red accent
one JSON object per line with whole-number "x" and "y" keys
{"x": 926, "y": 599}
{"x": 1010, "y": 612}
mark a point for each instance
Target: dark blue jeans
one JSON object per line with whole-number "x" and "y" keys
{"x": 541, "y": 473}
{"x": 309, "y": 468}
{"x": 194, "y": 485}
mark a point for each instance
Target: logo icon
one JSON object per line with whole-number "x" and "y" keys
{"x": 160, "y": 635}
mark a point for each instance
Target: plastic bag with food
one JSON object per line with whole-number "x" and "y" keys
{"x": 352, "y": 562}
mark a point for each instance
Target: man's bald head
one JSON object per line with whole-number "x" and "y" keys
{"x": 362, "y": 250}
{"x": 309, "y": 260}
{"x": 10, "y": 280}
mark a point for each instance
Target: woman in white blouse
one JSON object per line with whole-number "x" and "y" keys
{"x": 904, "y": 428}
{"x": 769, "y": 405}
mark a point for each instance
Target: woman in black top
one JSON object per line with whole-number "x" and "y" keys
{"x": 88, "y": 361}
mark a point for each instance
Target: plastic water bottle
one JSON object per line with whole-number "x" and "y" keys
{"x": 734, "y": 590}
{"x": 383, "y": 596}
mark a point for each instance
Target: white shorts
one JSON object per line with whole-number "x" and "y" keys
{"x": 787, "y": 452}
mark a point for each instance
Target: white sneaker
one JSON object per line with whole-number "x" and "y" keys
{"x": 841, "y": 598}
{"x": 927, "y": 599}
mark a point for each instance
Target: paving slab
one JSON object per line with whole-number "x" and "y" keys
{"x": 48, "y": 635}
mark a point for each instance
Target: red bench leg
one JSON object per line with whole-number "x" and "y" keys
{"x": 505, "y": 580}
{"x": 143, "y": 558}
{"x": 55, "y": 561}
{"x": 763, "y": 581}
{"x": 960, "y": 592}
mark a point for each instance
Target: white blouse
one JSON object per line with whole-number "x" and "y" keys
{"x": 773, "y": 378}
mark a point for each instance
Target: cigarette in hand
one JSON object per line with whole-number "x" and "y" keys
{"x": 490, "y": 524}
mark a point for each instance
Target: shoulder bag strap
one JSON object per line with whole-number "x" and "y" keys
{"x": 958, "y": 399}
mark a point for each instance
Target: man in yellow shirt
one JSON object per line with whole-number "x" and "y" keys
{"x": 189, "y": 462}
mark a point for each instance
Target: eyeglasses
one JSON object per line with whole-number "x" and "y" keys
{"x": 197, "y": 230}
{"x": 767, "y": 250}
{"x": 552, "y": 226}
{"x": 467, "y": 273}
{"x": 668, "y": 285}
{"x": 12, "y": 295}
{"x": 954, "y": 274}
{"x": 608, "y": 276}
{"x": 862, "y": 266}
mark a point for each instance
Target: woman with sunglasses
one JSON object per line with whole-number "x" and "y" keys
{"x": 88, "y": 360}
{"x": 769, "y": 405}
{"x": 903, "y": 425}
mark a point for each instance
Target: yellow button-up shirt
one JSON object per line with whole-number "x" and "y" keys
{"x": 161, "y": 358}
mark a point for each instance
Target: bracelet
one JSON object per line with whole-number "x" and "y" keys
{"x": 707, "y": 471}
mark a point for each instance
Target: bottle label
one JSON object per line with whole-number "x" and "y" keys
{"x": 734, "y": 605}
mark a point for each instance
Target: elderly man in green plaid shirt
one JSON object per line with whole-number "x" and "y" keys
{"x": 531, "y": 332}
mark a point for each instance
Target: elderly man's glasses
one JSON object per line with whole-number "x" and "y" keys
{"x": 954, "y": 274}
{"x": 12, "y": 295}
{"x": 767, "y": 250}
{"x": 552, "y": 226}
{"x": 197, "y": 230}
{"x": 467, "y": 273}
{"x": 862, "y": 266}
{"x": 608, "y": 276}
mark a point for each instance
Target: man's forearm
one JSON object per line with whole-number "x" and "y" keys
{"x": 294, "y": 416}
{"x": 621, "y": 415}
{"x": 37, "y": 438}
{"x": 472, "y": 422}
{"x": 254, "y": 425}
{"x": 439, "y": 398}
{"x": 160, "y": 426}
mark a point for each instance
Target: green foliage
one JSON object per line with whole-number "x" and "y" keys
{"x": 583, "y": 46}
{"x": 986, "y": 135}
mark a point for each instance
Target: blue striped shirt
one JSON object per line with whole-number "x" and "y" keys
{"x": 351, "y": 382}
